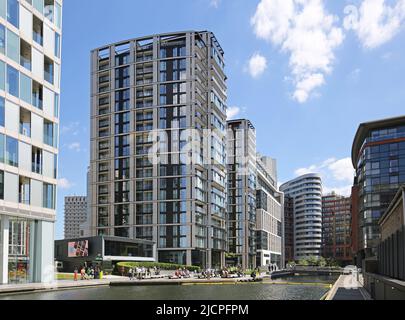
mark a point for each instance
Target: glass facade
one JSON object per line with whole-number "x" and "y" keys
{"x": 147, "y": 87}
{"x": 29, "y": 109}
{"x": 380, "y": 172}
{"x": 20, "y": 253}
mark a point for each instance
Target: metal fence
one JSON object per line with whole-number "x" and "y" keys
{"x": 391, "y": 256}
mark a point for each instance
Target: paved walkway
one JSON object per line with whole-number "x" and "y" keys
{"x": 347, "y": 287}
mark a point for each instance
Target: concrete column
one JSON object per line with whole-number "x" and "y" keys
{"x": 44, "y": 252}
{"x": 4, "y": 234}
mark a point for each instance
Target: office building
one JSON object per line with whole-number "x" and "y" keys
{"x": 30, "y": 62}
{"x": 242, "y": 183}
{"x": 378, "y": 155}
{"x": 158, "y": 102}
{"x": 269, "y": 216}
{"x": 75, "y": 215}
{"x": 306, "y": 192}
{"x": 336, "y": 229}
{"x": 288, "y": 229}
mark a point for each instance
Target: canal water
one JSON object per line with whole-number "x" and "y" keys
{"x": 303, "y": 288}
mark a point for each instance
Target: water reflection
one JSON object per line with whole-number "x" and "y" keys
{"x": 307, "y": 290}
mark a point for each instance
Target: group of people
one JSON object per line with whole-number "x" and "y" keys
{"x": 142, "y": 272}
{"x": 182, "y": 273}
{"x": 87, "y": 273}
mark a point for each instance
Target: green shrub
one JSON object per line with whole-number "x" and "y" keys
{"x": 162, "y": 266}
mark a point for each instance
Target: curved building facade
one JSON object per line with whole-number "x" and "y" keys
{"x": 378, "y": 156}
{"x": 306, "y": 192}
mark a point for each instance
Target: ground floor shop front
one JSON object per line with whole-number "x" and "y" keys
{"x": 26, "y": 250}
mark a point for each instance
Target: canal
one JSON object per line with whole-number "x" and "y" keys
{"x": 300, "y": 288}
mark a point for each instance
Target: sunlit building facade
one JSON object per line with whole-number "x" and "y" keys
{"x": 157, "y": 102}
{"x": 306, "y": 192}
{"x": 30, "y": 63}
{"x": 269, "y": 216}
{"x": 378, "y": 155}
{"x": 242, "y": 183}
{"x": 336, "y": 228}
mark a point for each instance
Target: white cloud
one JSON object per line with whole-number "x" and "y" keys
{"x": 304, "y": 30}
{"x": 233, "y": 112}
{"x": 75, "y": 146}
{"x": 215, "y": 3}
{"x": 337, "y": 175}
{"x": 257, "y": 65}
{"x": 73, "y": 128}
{"x": 379, "y": 22}
{"x": 64, "y": 183}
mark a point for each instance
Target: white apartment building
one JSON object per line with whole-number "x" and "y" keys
{"x": 30, "y": 60}
{"x": 306, "y": 192}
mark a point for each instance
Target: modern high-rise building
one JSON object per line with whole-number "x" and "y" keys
{"x": 85, "y": 227}
{"x": 158, "y": 102}
{"x": 75, "y": 215}
{"x": 336, "y": 228}
{"x": 30, "y": 63}
{"x": 269, "y": 215}
{"x": 242, "y": 184}
{"x": 288, "y": 229}
{"x": 307, "y": 194}
{"x": 378, "y": 155}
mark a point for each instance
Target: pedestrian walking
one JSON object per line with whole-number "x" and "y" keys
{"x": 75, "y": 274}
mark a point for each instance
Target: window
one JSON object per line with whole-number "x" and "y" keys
{"x": 25, "y": 55}
{"x": 56, "y": 106}
{"x": 49, "y": 133}
{"x": 25, "y": 122}
{"x": 122, "y": 100}
{"x": 38, "y": 30}
{"x": 12, "y": 81}
{"x": 13, "y": 12}
{"x": 2, "y": 39}
{"x": 122, "y": 122}
{"x": 2, "y": 141}
{"x": 122, "y": 54}
{"x": 36, "y": 158}
{"x": 39, "y": 5}
{"x": 37, "y": 95}
{"x": 49, "y": 196}
{"x": 122, "y": 148}
{"x": 48, "y": 70}
{"x": 122, "y": 79}
{"x": 2, "y": 185}
{"x": 49, "y": 9}
{"x": 2, "y": 75}
{"x": 57, "y": 45}
{"x": 58, "y": 15}
{"x": 11, "y": 151}
{"x": 25, "y": 88}
{"x": 24, "y": 188}
{"x": 2, "y": 112}
{"x": 13, "y": 46}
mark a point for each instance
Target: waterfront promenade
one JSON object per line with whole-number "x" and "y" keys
{"x": 348, "y": 287}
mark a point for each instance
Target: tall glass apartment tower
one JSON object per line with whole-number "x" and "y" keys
{"x": 306, "y": 192}
{"x": 156, "y": 103}
{"x": 30, "y": 59}
{"x": 242, "y": 183}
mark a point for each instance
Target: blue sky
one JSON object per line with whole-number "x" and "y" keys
{"x": 303, "y": 71}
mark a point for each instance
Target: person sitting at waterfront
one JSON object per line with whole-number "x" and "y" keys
{"x": 82, "y": 273}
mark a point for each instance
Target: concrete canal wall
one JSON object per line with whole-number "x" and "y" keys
{"x": 384, "y": 288}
